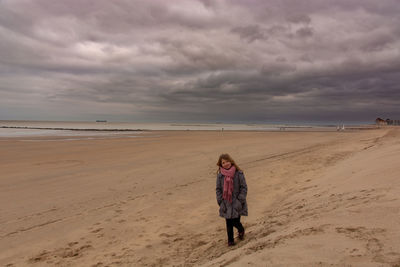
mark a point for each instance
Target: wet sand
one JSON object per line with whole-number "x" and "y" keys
{"x": 315, "y": 198}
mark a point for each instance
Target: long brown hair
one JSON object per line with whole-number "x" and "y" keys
{"x": 227, "y": 158}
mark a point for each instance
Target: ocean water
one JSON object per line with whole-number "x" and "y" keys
{"x": 66, "y": 128}
{"x": 9, "y": 132}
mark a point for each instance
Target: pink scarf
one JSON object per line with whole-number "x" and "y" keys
{"x": 228, "y": 182}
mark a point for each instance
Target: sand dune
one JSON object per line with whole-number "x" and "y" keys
{"x": 315, "y": 198}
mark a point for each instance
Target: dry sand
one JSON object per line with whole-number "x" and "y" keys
{"x": 315, "y": 199}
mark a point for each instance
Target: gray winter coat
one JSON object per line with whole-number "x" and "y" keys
{"x": 239, "y": 205}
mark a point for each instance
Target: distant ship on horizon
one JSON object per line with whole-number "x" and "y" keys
{"x": 101, "y": 120}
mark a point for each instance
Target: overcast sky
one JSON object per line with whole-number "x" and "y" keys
{"x": 200, "y": 61}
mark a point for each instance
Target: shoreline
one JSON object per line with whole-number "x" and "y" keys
{"x": 72, "y": 129}
{"x": 32, "y": 131}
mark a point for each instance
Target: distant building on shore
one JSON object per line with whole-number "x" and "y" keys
{"x": 101, "y": 121}
{"x": 380, "y": 121}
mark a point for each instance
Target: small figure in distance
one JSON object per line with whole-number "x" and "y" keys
{"x": 231, "y": 193}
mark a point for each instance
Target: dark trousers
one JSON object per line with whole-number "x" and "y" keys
{"x": 230, "y": 223}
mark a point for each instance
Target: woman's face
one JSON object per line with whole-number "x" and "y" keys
{"x": 225, "y": 164}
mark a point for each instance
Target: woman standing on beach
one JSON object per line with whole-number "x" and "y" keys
{"x": 231, "y": 195}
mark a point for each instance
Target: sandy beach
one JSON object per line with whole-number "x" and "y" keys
{"x": 315, "y": 199}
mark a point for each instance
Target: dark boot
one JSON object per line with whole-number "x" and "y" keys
{"x": 241, "y": 235}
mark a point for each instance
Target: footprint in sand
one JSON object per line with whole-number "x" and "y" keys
{"x": 374, "y": 245}
{"x": 73, "y": 243}
{"x": 68, "y": 252}
{"x": 266, "y": 233}
{"x": 166, "y": 235}
{"x": 141, "y": 219}
{"x": 97, "y": 230}
{"x": 165, "y": 242}
{"x": 198, "y": 244}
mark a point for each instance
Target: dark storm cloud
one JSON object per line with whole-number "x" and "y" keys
{"x": 199, "y": 60}
{"x": 250, "y": 32}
